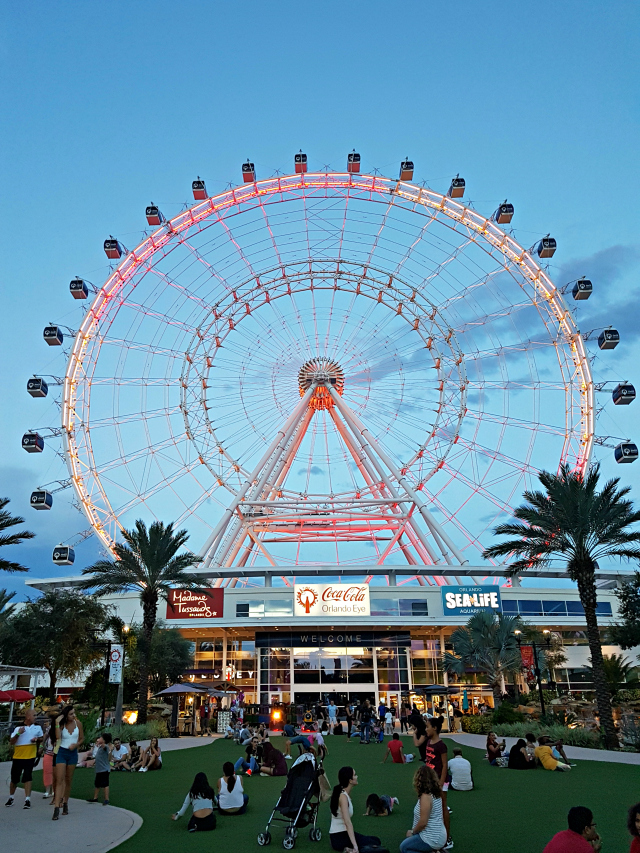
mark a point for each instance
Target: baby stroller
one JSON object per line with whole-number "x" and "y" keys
{"x": 297, "y": 805}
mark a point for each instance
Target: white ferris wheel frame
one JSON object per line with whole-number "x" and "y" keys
{"x": 77, "y": 383}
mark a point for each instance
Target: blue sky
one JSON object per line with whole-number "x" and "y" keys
{"x": 107, "y": 108}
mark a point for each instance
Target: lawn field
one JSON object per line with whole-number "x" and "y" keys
{"x": 507, "y": 811}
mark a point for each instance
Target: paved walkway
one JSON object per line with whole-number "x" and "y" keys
{"x": 577, "y": 753}
{"x": 22, "y": 830}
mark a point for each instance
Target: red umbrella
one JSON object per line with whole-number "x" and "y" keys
{"x": 19, "y": 695}
{"x": 4, "y": 696}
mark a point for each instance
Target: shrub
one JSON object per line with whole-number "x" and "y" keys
{"x": 6, "y": 750}
{"x": 477, "y": 725}
{"x": 137, "y": 732}
{"x": 506, "y": 713}
{"x": 571, "y": 737}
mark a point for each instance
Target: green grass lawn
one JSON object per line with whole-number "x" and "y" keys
{"x": 507, "y": 811}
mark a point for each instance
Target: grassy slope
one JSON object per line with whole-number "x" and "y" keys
{"x": 508, "y": 810}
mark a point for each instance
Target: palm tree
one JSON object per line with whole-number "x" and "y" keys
{"x": 619, "y": 672}
{"x": 150, "y": 565}
{"x": 573, "y": 522}
{"x": 487, "y": 643}
{"x": 6, "y": 521}
{"x": 6, "y": 609}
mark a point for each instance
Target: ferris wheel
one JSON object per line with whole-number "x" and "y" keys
{"x": 334, "y": 369}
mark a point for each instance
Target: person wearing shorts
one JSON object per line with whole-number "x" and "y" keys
{"x": 301, "y": 740}
{"x": 103, "y": 768}
{"x": 25, "y": 741}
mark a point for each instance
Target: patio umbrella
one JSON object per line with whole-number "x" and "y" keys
{"x": 180, "y": 689}
{"x": 19, "y": 695}
{"x": 4, "y": 696}
{"x": 465, "y": 700}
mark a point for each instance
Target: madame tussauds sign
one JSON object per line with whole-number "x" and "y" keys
{"x": 331, "y": 599}
{"x": 195, "y": 604}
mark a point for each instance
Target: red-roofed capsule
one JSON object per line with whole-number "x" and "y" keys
{"x": 154, "y": 215}
{"x": 406, "y": 170}
{"x": 456, "y": 190}
{"x": 353, "y": 163}
{"x": 112, "y": 249}
{"x": 53, "y": 336}
{"x": 78, "y": 289}
{"x": 300, "y": 163}
{"x": 248, "y": 172}
{"x": 199, "y": 189}
{"x": 504, "y": 214}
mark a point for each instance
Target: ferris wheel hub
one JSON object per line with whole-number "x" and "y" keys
{"x": 322, "y": 372}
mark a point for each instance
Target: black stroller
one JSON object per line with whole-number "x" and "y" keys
{"x": 297, "y": 805}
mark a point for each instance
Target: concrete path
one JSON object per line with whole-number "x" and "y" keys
{"x": 89, "y": 828}
{"x": 576, "y": 753}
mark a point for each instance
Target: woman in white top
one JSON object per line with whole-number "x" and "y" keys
{"x": 341, "y": 833}
{"x": 69, "y": 735}
{"x": 200, "y": 798}
{"x": 231, "y": 797}
{"x": 428, "y": 831}
{"x": 151, "y": 758}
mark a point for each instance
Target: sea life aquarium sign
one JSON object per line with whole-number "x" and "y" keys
{"x": 467, "y": 600}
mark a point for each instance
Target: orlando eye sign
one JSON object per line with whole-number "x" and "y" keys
{"x": 467, "y": 600}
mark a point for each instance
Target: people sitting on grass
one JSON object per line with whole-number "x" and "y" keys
{"x": 531, "y": 746}
{"x": 495, "y": 748}
{"x": 395, "y": 749}
{"x": 558, "y": 752}
{"x": 633, "y": 825}
{"x": 302, "y": 742}
{"x": 580, "y": 837}
{"x": 119, "y": 754}
{"x": 151, "y": 758}
{"x": 273, "y": 761}
{"x": 231, "y": 797}
{"x": 201, "y": 798}
{"x": 380, "y": 806}
{"x": 428, "y": 832}
{"x": 342, "y": 835}
{"x": 460, "y": 771}
{"x": 134, "y": 761}
{"x": 544, "y": 754}
{"x": 253, "y": 753}
{"x": 519, "y": 757}
{"x": 289, "y": 730}
{"x": 103, "y": 768}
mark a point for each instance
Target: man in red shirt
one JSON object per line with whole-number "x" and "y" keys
{"x": 395, "y": 748}
{"x": 581, "y": 837}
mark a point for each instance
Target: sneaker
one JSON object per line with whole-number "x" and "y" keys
{"x": 56, "y": 813}
{"x": 46, "y": 796}
{"x": 449, "y": 809}
{"x": 193, "y": 829}
{"x": 106, "y": 803}
{"x": 27, "y": 804}
{"x": 288, "y": 756}
{"x": 448, "y": 845}
{"x": 264, "y": 774}
{"x": 248, "y": 772}
{"x": 396, "y": 801}
{"x": 143, "y": 770}
{"x": 9, "y": 802}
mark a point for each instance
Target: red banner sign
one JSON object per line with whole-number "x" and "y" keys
{"x": 528, "y": 662}
{"x": 195, "y": 604}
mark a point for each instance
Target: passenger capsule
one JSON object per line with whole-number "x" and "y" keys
{"x": 626, "y": 452}
{"x": 41, "y": 499}
{"x": 32, "y": 442}
{"x": 546, "y": 248}
{"x": 406, "y": 170}
{"x": 300, "y": 163}
{"x": 63, "y": 555}
{"x": 582, "y": 289}
{"x": 199, "y": 189}
{"x": 456, "y": 190}
{"x": 623, "y": 394}
{"x": 504, "y": 214}
{"x": 154, "y": 216}
{"x": 78, "y": 288}
{"x": 53, "y": 336}
{"x": 248, "y": 172}
{"x": 609, "y": 339}
{"x": 353, "y": 163}
{"x": 112, "y": 249}
{"x": 37, "y": 387}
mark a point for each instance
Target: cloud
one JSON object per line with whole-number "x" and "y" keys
{"x": 603, "y": 268}
{"x": 314, "y": 470}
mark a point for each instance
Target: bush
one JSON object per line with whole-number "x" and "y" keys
{"x": 506, "y": 713}
{"x": 571, "y": 737}
{"x": 6, "y": 750}
{"x": 137, "y": 732}
{"x": 476, "y": 725}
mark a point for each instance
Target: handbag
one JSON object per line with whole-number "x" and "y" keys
{"x": 325, "y": 788}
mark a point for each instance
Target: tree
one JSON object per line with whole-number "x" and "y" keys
{"x": 6, "y": 608}
{"x": 573, "y": 522}
{"x": 56, "y": 632}
{"x": 170, "y": 654}
{"x": 486, "y": 643}
{"x": 619, "y": 672}
{"x": 148, "y": 563}
{"x": 6, "y": 522}
{"x": 627, "y": 632}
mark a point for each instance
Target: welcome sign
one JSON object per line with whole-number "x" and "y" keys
{"x": 467, "y": 600}
{"x": 195, "y": 604}
{"x": 331, "y": 599}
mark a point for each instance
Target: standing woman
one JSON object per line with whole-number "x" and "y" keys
{"x": 420, "y": 736}
{"x": 349, "y": 715}
{"x": 428, "y": 831}
{"x": 69, "y": 735}
{"x": 437, "y": 760}
{"x": 49, "y": 760}
{"x": 404, "y": 713}
{"x": 342, "y": 834}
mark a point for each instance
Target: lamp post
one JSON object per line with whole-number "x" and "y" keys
{"x": 536, "y": 666}
{"x": 120, "y": 698}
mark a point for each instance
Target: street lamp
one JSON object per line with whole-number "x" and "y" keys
{"x": 536, "y": 667}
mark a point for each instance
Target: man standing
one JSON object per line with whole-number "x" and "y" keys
{"x": 366, "y": 715}
{"x": 332, "y": 712}
{"x": 581, "y": 837}
{"x": 25, "y": 739}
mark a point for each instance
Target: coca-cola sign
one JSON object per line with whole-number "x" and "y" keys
{"x": 331, "y": 599}
{"x": 195, "y": 604}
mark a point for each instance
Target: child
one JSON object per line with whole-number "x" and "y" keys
{"x": 103, "y": 768}
{"x": 388, "y": 723}
{"x": 380, "y": 806}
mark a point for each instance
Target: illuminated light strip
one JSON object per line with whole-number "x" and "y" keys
{"x": 240, "y": 198}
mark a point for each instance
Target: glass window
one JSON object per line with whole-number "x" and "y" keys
{"x": 603, "y": 608}
{"x": 250, "y": 609}
{"x": 554, "y": 607}
{"x": 278, "y": 607}
{"x": 306, "y": 665}
{"x": 510, "y": 607}
{"x": 575, "y": 608}
{"x": 530, "y": 608}
{"x": 242, "y": 610}
{"x": 413, "y": 607}
{"x": 384, "y": 606}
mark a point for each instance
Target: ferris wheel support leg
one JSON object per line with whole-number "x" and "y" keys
{"x": 276, "y": 447}
{"x": 433, "y": 525}
{"x": 288, "y": 458}
{"x": 364, "y": 443}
